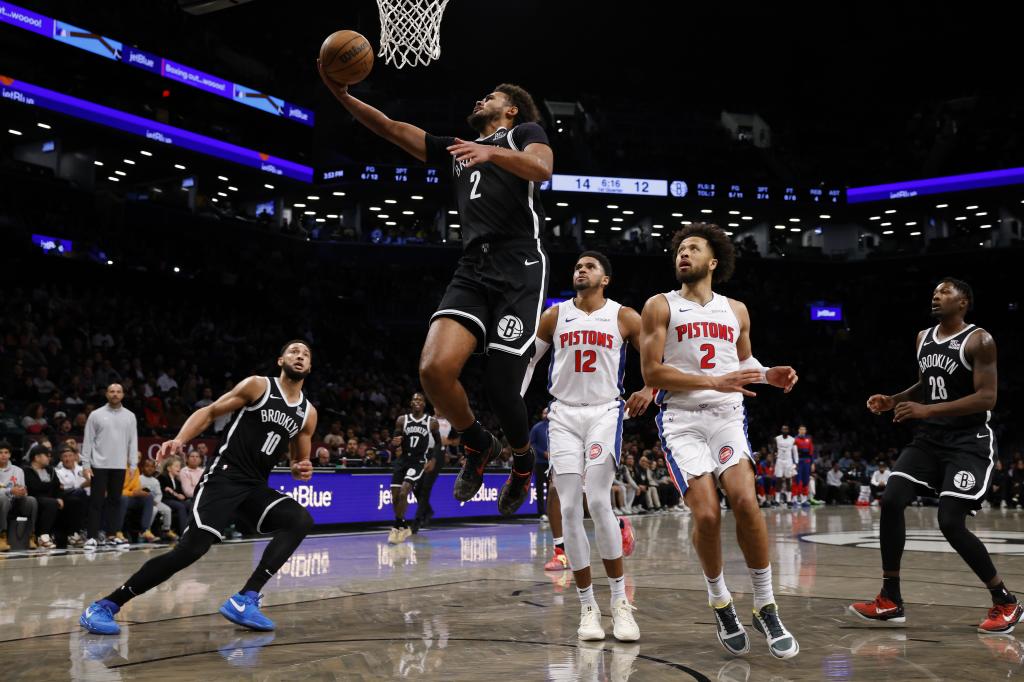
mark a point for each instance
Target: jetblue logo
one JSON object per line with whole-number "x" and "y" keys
{"x": 294, "y": 112}
{"x": 141, "y": 59}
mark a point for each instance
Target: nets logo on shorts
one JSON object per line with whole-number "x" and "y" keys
{"x": 510, "y": 327}
{"x": 724, "y": 454}
{"x": 596, "y": 450}
{"x": 963, "y": 480}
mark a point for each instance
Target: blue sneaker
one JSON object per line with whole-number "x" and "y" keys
{"x": 805, "y": 504}
{"x": 244, "y": 610}
{"x": 99, "y": 620}
{"x": 244, "y": 651}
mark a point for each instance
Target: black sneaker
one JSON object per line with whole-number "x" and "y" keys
{"x": 781, "y": 642}
{"x": 516, "y": 488}
{"x": 730, "y": 630}
{"x": 471, "y": 477}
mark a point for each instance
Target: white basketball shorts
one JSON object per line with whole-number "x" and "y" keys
{"x": 580, "y": 437}
{"x": 702, "y": 441}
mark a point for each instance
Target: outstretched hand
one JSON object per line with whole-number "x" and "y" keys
{"x": 783, "y": 377}
{"x": 879, "y": 403}
{"x": 339, "y": 90}
{"x": 471, "y": 153}
{"x": 734, "y": 382}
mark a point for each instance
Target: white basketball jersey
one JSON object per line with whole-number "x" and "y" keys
{"x": 701, "y": 340}
{"x": 785, "y": 446}
{"x": 588, "y": 355}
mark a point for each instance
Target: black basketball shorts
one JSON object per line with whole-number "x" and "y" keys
{"x": 407, "y": 469}
{"x": 497, "y": 292}
{"x": 949, "y": 462}
{"x": 221, "y": 500}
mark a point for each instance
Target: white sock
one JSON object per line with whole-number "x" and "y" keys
{"x": 718, "y": 593}
{"x": 761, "y": 579}
{"x": 587, "y": 596}
{"x": 618, "y": 587}
{"x": 559, "y": 541}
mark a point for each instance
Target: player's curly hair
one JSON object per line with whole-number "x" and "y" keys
{"x": 522, "y": 100}
{"x": 963, "y": 287}
{"x": 718, "y": 240}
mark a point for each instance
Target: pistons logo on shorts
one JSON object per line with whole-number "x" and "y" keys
{"x": 596, "y": 450}
{"x": 724, "y": 454}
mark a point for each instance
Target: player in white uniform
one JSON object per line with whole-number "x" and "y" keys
{"x": 785, "y": 463}
{"x": 588, "y": 336}
{"x": 696, "y": 350}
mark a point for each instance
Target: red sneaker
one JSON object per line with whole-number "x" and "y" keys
{"x": 559, "y": 562}
{"x": 1001, "y": 619}
{"x": 882, "y": 609}
{"x": 628, "y": 537}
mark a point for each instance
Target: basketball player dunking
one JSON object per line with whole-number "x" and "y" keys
{"x": 696, "y": 349}
{"x": 421, "y": 448}
{"x": 494, "y": 301}
{"x": 952, "y": 454}
{"x": 589, "y": 334}
{"x": 272, "y": 417}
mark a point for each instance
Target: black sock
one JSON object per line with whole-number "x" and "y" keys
{"x": 257, "y": 580}
{"x": 121, "y": 595}
{"x": 561, "y": 546}
{"x": 1001, "y": 595}
{"x": 622, "y": 524}
{"x": 522, "y": 462}
{"x": 891, "y": 589}
{"x": 476, "y": 437}
{"x": 399, "y": 523}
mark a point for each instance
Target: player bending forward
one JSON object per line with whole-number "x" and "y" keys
{"x": 272, "y": 417}
{"x": 696, "y": 349}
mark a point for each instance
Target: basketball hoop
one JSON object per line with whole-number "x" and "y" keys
{"x": 410, "y": 31}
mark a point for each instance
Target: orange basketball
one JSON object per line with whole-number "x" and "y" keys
{"x": 346, "y": 57}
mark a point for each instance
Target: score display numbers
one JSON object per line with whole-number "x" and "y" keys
{"x": 606, "y": 185}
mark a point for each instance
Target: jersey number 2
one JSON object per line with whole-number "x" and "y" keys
{"x": 474, "y": 177}
{"x": 585, "y": 360}
{"x": 709, "y": 355}
{"x": 271, "y": 443}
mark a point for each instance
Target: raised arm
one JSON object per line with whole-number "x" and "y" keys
{"x": 654, "y": 330}
{"x": 244, "y": 393}
{"x": 981, "y": 352}
{"x": 405, "y": 135}
{"x": 299, "y": 448}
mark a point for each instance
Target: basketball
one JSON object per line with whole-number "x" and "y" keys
{"x": 346, "y": 57}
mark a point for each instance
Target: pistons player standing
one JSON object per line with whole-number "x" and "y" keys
{"x": 952, "y": 454}
{"x": 493, "y": 304}
{"x": 272, "y": 417}
{"x": 588, "y": 335}
{"x": 696, "y": 350}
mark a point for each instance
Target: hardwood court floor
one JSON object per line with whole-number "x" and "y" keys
{"x": 472, "y": 602}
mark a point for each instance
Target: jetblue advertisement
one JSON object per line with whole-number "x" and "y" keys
{"x": 343, "y": 497}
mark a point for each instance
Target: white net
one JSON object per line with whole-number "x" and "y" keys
{"x": 410, "y": 31}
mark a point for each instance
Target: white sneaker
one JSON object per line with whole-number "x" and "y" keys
{"x": 393, "y": 536}
{"x": 590, "y": 623}
{"x": 404, "y": 534}
{"x": 624, "y": 626}
{"x": 45, "y": 542}
{"x": 90, "y": 545}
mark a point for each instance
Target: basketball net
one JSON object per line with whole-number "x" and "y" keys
{"x": 410, "y": 31}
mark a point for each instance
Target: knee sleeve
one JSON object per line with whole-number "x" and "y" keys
{"x": 193, "y": 545}
{"x": 606, "y": 525}
{"x": 289, "y": 516}
{"x": 899, "y": 492}
{"x": 952, "y": 522}
{"x": 570, "y": 496}
{"x": 503, "y": 377}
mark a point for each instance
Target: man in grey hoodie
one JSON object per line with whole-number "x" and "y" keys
{"x": 110, "y": 446}
{"x": 13, "y": 495}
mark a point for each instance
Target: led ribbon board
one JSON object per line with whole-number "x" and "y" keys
{"x": 949, "y": 183}
{"x": 110, "y": 48}
{"x": 33, "y": 95}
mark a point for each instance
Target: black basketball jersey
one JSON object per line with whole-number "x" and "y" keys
{"x": 494, "y": 204}
{"x": 416, "y": 436}
{"x": 260, "y": 433}
{"x": 947, "y": 375}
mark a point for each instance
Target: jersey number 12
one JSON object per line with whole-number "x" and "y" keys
{"x": 585, "y": 360}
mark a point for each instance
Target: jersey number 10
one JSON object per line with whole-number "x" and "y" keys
{"x": 271, "y": 443}
{"x": 585, "y": 360}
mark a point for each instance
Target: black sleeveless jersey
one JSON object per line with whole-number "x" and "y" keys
{"x": 416, "y": 436}
{"x": 494, "y": 204}
{"x": 947, "y": 375}
{"x": 260, "y": 433}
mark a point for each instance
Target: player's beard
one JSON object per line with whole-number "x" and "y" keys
{"x": 293, "y": 374}
{"x": 694, "y": 274}
{"x": 479, "y": 120}
{"x": 580, "y": 286}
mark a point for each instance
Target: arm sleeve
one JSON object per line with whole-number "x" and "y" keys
{"x": 88, "y": 442}
{"x": 133, "y": 442}
{"x": 526, "y": 134}
{"x": 437, "y": 148}
{"x": 541, "y": 347}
